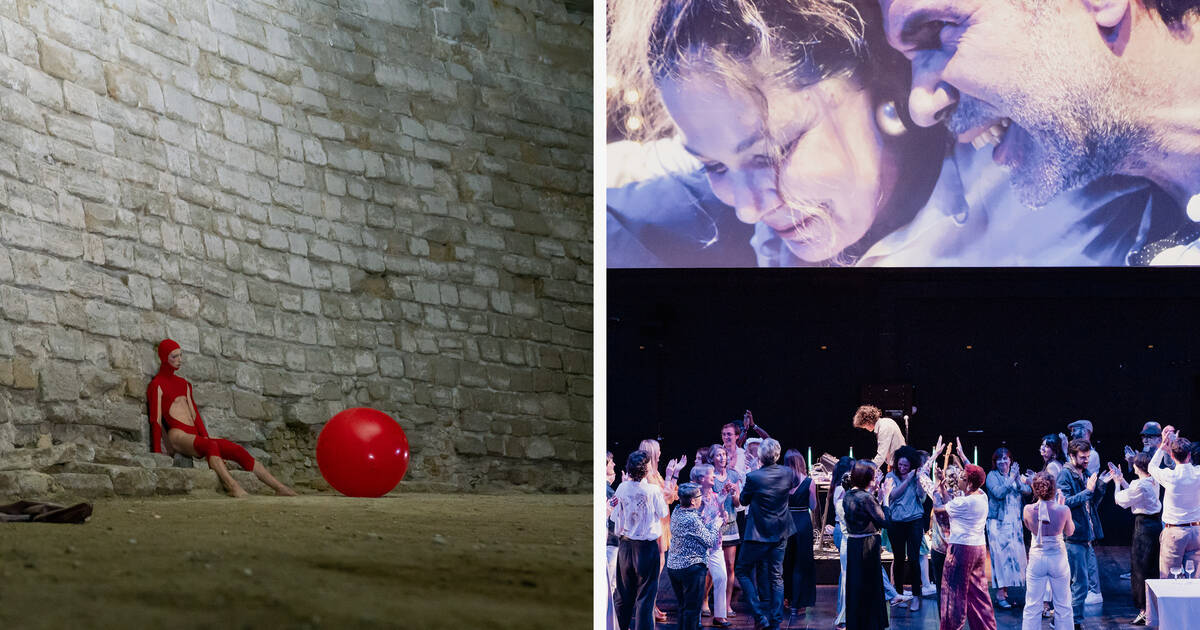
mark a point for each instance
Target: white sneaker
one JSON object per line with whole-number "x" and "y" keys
{"x": 928, "y": 590}
{"x": 1093, "y": 598}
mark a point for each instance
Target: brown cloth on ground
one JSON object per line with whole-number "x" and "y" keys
{"x": 35, "y": 512}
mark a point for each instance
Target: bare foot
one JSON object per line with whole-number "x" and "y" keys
{"x": 238, "y": 493}
{"x": 286, "y": 492}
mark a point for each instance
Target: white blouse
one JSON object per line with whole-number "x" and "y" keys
{"x": 1141, "y": 497}
{"x": 968, "y": 518}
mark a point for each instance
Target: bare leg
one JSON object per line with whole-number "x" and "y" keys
{"x": 230, "y": 484}
{"x": 266, "y": 477}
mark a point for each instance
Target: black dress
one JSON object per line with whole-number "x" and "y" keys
{"x": 799, "y": 569}
{"x": 865, "y": 605}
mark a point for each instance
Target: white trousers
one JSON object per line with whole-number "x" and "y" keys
{"x": 715, "y": 559}
{"x": 1047, "y": 573}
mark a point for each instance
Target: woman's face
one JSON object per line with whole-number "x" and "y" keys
{"x": 610, "y": 469}
{"x": 902, "y": 466}
{"x": 720, "y": 459}
{"x": 175, "y": 358}
{"x": 830, "y": 184}
{"x": 706, "y": 483}
{"x": 1002, "y": 464}
{"x": 1046, "y": 451}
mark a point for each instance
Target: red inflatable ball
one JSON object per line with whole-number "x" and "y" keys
{"x": 362, "y": 452}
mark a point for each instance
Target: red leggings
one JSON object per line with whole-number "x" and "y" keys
{"x": 208, "y": 447}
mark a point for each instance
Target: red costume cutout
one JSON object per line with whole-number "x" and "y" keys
{"x": 172, "y": 387}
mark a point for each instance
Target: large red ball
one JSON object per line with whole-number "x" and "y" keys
{"x": 362, "y": 452}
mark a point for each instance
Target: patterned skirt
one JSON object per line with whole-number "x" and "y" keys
{"x": 1006, "y": 544}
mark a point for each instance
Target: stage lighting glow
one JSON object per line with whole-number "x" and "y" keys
{"x": 1193, "y": 208}
{"x": 632, "y": 96}
{"x": 633, "y": 123}
{"x": 612, "y": 81}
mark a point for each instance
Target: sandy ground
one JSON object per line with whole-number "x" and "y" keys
{"x": 316, "y": 561}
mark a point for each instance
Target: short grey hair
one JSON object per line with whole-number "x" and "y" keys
{"x": 700, "y": 471}
{"x": 768, "y": 452}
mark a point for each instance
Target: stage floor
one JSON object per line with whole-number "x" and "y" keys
{"x": 1116, "y": 611}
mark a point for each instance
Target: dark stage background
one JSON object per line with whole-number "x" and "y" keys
{"x": 999, "y": 357}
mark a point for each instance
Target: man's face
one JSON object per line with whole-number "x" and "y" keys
{"x": 1080, "y": 459}
{"x": 1038, "y": 82}
{"x": 728, "y": 436}
{"x": 1151, "y": 442}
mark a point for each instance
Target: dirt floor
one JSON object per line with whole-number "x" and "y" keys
{"x": 316, "y": 561}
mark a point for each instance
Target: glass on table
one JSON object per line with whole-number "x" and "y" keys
{"x": 1190, "y": 567}
{"x": 1176, "y": 571}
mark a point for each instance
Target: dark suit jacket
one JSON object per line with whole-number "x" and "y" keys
{"x": 766, "y": 494}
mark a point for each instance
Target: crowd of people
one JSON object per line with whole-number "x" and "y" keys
{"x": 746, "y": 518}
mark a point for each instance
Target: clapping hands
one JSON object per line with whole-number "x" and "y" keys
{"x": 676, "y": 465}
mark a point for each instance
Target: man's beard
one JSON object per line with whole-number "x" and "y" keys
{"x": 1060, "y": 144}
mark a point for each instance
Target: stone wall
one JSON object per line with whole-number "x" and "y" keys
{"x": 328, "y": 203}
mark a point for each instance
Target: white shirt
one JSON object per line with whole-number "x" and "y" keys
{"x": 968, "y": 518}
{"x": 639, "y": 510}
{"x": 1181, "y": 502}
{"x": 1141, "y": 497}
{"x": 888, "y": 434}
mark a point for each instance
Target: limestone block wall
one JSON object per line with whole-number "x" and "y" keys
{"x": 328, "y": 203}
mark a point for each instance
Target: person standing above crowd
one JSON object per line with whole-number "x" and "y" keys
{"x": 768, "y": 527}
{"x": 864, "y": 518}
{"x": 1140, "y": 497}
{"x": 1006, "y": 540}
{"x": 1048, "y": 569}
{"x": 638, "y": 510}
{"x": 887, "y": 433}
{"x": 693, "y": 533}
{"x": 1180, "y": 539}
{"x": 1079, "y": 490}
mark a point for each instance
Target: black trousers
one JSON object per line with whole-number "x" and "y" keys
{"x": 769, "y": 554}
{"x": 637, "y": 584}
{"x": 906, "y": 548}
{"x": 937, "y": 562}
{"x": 1143, "y": 554}
{"x": 688, "y": 585}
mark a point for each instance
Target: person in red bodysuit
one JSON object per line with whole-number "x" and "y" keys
{"x": 172, "y": 406}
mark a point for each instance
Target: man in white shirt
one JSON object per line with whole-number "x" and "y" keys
{"x": 887, "y": 432}
{"x": 638, "y": 509}
{"x": 1180, "y": 538}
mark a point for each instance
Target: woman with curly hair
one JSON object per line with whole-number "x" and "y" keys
{"x": 1049, "y": 518}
